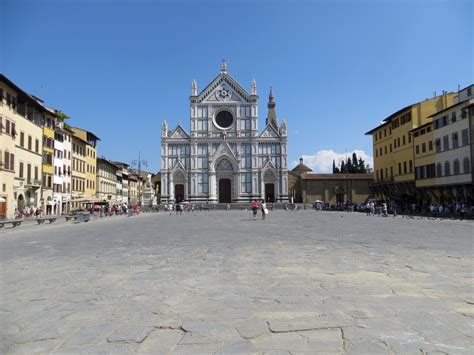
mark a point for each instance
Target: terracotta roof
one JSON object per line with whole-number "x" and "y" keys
{"x": 301, "y": 168}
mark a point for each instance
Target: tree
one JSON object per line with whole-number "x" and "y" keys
{"x": 361, "y": 166}
{"x": 354, "y": 163}
{"x": 61, "y": 114}
{"x": 343, "y": 167}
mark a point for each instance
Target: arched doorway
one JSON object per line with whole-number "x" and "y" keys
{"x": 179, "y": 185}
{"x": 21, "y": 203}
{"x": 179, "y": 193}
{"x": 340, "y": 195}
{"x": 269, "y": 180}
{"x": 224, "y": 173}
{"x": 225, "y": 191}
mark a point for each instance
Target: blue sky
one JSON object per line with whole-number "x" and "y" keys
{"x": 337, "y": 68}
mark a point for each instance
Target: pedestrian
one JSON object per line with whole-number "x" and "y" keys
{"x": 384, "y": 210}
{"x": 462, "y": 210}
{"x": 254, "y": 207}
{"x": 170, "y": 208}
{"x": 263, "y": 206}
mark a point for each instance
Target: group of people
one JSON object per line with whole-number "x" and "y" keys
{"x": 255, "y": 206}
{"x": 28, "y": 212}
{"x": 371, "y": 209}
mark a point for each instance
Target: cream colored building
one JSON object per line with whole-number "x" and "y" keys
{"x": 22, "y": 116}
{"x": 107, "y": 181}
{"x": 78, "y": 178}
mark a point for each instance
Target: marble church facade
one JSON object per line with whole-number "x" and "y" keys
{"x": 224, "y": 158}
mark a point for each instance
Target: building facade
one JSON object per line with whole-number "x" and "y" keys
{"x": 62, "y": 168}
{"x": 393, "y": 148}
{"x": 78, "y": 172}
{"x": 224, "y": 158}
{"x": 90, "y": 156}
{"x": 330, "y": 189}
{"x": 48, "y": 162}
{"x": 453, "y": 145}
{"x": 106, "y": 181}
{"x": 21, "y": 143}
{"x": 122, "y": 182}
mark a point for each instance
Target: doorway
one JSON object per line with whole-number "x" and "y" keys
{"x": 179, "y": 193}
{"x": 3, "y": 208}
{"x": 225, "y": 191}
{"x": 270, "y": 192}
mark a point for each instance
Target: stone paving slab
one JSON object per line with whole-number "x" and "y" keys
{"x": 221, "y": 283}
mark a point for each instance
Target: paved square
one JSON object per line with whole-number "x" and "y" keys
{"x": 218, "y": 282}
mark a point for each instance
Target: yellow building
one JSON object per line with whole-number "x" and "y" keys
{"x": 48, "y": 165}
{"x": 425, "y": 160}
{"x": 21, "y": 119}
{"x": 90, "y": 160}
{"x": 393, "y": 148}
{"x": 78, "y": 171}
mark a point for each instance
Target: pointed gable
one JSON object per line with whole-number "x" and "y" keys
{"x": 223, "y": 88}
{"x": 179, "y": 133}
{"x": 270, "y": 132}
{"x": 224, "y": 149}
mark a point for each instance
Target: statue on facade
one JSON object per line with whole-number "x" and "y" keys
{"x": 254, "y": 87}
{"x": 164, "y": 129}
{"x": 194, "y": 88}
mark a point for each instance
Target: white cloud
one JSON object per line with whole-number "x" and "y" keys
{"x": 321, "y": 161}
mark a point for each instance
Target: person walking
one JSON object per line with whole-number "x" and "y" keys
{"x": 264, "y": 209}
{"x": 254, "y": 207}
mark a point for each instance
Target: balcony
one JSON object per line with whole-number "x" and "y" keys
{"x": 35, "y": 183}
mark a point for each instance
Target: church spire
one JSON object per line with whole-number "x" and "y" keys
{"x": 271, "y": 119}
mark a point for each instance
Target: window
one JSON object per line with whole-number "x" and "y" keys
{"x": 20, "y": 172}
{"x": 445, "y": 143}
{"x": 447, "y": 168}
{"x": 456, "y": 167}
{"x": 438, "y": 145}
{"x": 404, "y": 167}
{"x": 28, "y": 173}
{"x": 430, "y": 145}
{"x": 22, "y": 139}
{"x": 453, "y": 117}
{"x": 411, "y": 165}
{"x": 454, "y": 138}
{"x": 439, "y": 170}
{"x": 36, "y": 173}
{"x": 202, "y": 180}
{"x": 30, "y": 140}
{"x": 465, "y": 136}
{"x": 423, "y": 147}
{"x": 390, "y": 147}
{"x": 385, "y": 149}
{"x": 409, "y": 138}
{"x": 376, "y": 152}
{"x": 417, "y": 149}
{"x": 399, "y": 168}
{"x": 245, "y": 124}
{"x": 246, "y": 182}
{"x": 404, "y": 142}
{"x": 398, "y": 141}
{"x": 246, "y": 162}
{"x": 466, "y": 166}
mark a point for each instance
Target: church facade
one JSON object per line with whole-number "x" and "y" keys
{"x": 224, "y": 158}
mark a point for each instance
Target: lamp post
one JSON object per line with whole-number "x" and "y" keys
{"x": 138, "y": 163}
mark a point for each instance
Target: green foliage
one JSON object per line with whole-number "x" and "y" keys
{"x": 351, "y": 166}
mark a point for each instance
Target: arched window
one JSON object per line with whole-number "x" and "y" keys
{"x": 447, "y": 168}
{"x": 466, "y": 165}
{"x": 439, "y": 170}
{"x": 456, "y": 167}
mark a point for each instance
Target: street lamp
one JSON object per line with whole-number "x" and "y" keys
{"x": 138, "y": 163}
